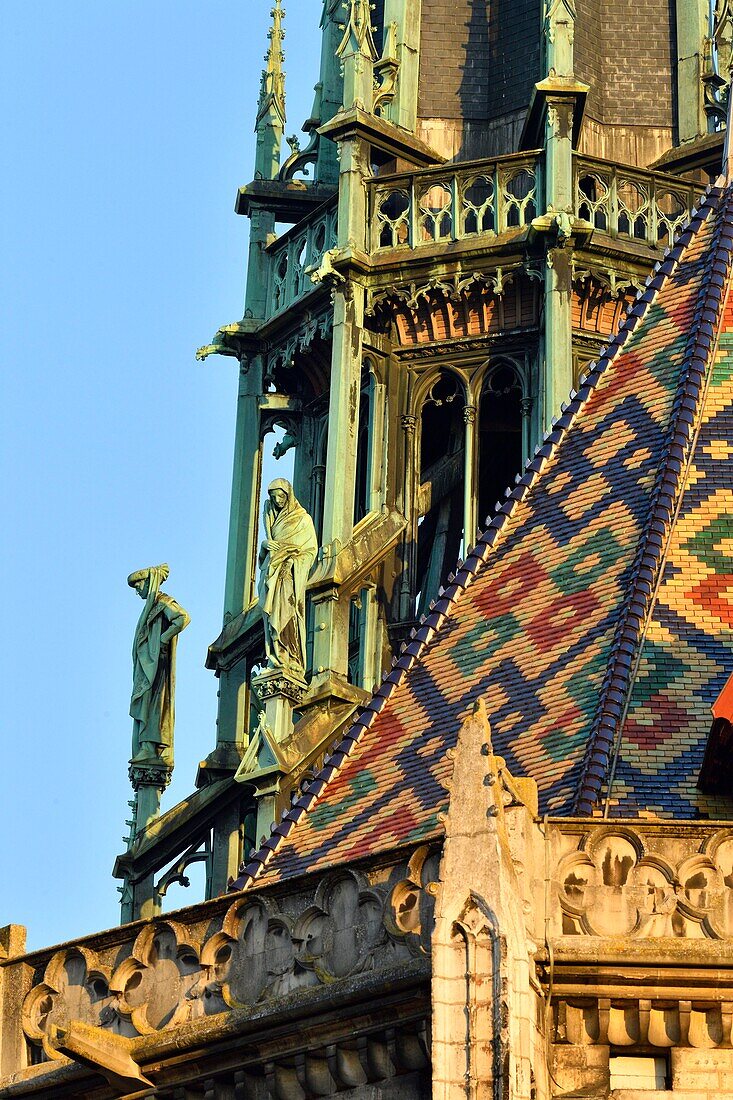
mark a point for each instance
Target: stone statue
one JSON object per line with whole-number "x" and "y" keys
{"x": 154, "y": 668}
{"x": 286, "y": 557}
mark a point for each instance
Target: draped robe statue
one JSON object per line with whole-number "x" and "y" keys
{"x": 154, "y": 668}
{"x": 286, "y": 557}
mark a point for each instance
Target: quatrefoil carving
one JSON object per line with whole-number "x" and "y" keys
{"x": 613, "y": 885}
{"x": 153, "y": 986}
{"x": 262, "y": 953}
{"x": 259, "y": 951}
{"x": 74, "y": 987}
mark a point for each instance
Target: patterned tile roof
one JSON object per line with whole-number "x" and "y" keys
{"x": 592, "y": 616}
{"x": 685, "y": 656}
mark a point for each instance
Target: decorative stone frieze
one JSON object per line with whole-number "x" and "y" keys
{"x": 647, "y": 881}
{"x": 255, "y": 950}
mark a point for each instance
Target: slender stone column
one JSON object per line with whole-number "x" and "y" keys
{"x": 558, "y": 266}
{"x": 226, "y": 854}
{"x": 318, "y": 476}
{"x": 470, "y": 523}
{"x": 243, "y": 518}
{"x": 240, "y": 589}
{"x": 525, "y": 407}
{"x": 148, "y": 781}
{"x": 409, "y": 544}
{"x": 240, "y": 585}
{"x": 331, "y": 615}
{"x": 372, "y": 638}
{"x": 561, "y": 95}
{"x": 279, "y": 691}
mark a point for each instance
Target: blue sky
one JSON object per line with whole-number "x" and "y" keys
{"x": 126, "y": 128}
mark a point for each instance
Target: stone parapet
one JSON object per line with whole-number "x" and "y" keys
{"x": 220, "y": 967}
{"x": 641, "y": 879}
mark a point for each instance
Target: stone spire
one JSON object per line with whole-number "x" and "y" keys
{"x": 270, "y": 125}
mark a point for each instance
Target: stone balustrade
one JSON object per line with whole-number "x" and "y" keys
{"x": 291, "y": 255}
{"x": 631, "y": 204}
{"x": 221, "y": 956}
{"x": 642, "y": 880}
{"x": 489, "y": 197}
{"x": 610, "y": 896}
{"x": 455, "y": 202}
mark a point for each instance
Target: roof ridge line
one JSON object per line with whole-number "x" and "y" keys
{"x": 651, "y": 549}
{"x": 430, "y": 623}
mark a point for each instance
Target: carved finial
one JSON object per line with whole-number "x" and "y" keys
{"x": 272, "y": 87}
{"x": 270, "y": 125}
{"x": 358, "y": 36}
{"x": 559, "y": 35}
{"x": 357, "y": 53}
{"x": 727, "y": 148}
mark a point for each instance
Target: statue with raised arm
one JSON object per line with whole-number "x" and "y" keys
{"x": 286, "y": 557}
{"x": 154, "y": 668}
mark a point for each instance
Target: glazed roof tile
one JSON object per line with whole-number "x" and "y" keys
{"x": 594, "y": 614}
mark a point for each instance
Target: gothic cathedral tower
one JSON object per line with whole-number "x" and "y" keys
{"x": 482, "y": 192}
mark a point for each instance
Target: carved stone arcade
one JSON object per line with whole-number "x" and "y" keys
{"x": 600, "y": 899}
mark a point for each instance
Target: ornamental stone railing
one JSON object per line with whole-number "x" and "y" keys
{"x": 641, "y": 880}
{"x": 481, "y": 200}
{"x": 486, "y": 198}
{"x": 609, "y": 895}
{"x": 292, "y": 255}
{"x": 628, "y": 203}
{"x": 439, "y": 205}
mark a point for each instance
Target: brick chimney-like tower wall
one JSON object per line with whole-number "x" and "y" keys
{"x": 478, "y": 63}
{"x": 479, "y": 60}
{"x": 625, "y": 51}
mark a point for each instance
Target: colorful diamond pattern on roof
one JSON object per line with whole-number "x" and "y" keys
{"x": 687, "y": 654}
{"x": 530, "y": 623}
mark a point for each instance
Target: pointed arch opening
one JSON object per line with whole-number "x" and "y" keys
{"x": 501, "y": 434}
{"x": 440, "y": 503}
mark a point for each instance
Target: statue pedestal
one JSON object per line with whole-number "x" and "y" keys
{"x": 149, "y": 780}
{"x": 279, "y": 692}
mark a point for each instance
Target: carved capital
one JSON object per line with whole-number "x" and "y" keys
{"x": 149, "y": 775}
{"x": 409, "y": 423}
{"x": 280, "y": 682}
{"x": 469, "y": 414}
